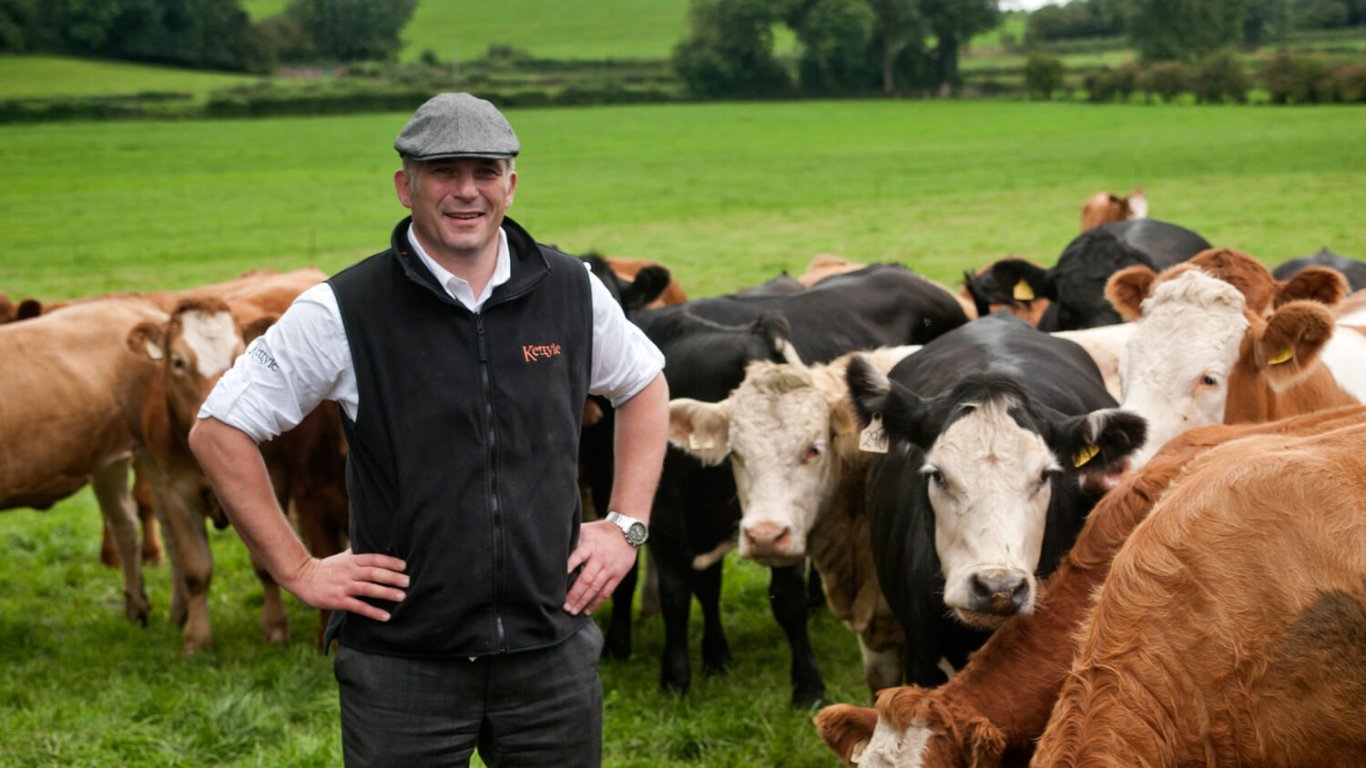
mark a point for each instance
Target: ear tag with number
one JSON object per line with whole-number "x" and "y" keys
{"x": 1284, "y": 356}
{"x": 873, "y": 438}
{"x": 1023, "y": 291}
{"x": 698, "y": 444}
{"x": 1085, "y": 455}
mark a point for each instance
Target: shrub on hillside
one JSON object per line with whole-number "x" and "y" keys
{"x": 1298, "y": 79}
{"x": 1167, "y": 80}
{"x": 1043, "y": 74}
{"x": 1221, "y": 77}
{"x": 1349, "y": 83}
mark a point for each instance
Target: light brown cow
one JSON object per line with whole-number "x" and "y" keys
{"x": 1219, "y": 340}
{"x": 1230, "y": 628}
{"x": 998, "y": 705}
{"x": 800, "y": 476}
{"x": 70, "y": 401}
{"x": 627, "y": 269}
{"x": 1105, "y": 207}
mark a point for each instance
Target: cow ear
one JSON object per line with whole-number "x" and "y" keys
{"x": 1010, "y": 273}
{"x": 700, "y": 429}
{"x": 148, "y": 340}
{"x": 873, "y": 395}
{"x": 846, "y": 729}
{"x": 648, "y": 285}
{"x": 1127, "y": 288}
{"x": 984, "y": 743}
{"x": 1292, "y": 340}
{"x": 28, "y": 309}
{"x": 257, "y": 327}
{"x": 1326, "y": 286}
{"x": 1098, "y": 444}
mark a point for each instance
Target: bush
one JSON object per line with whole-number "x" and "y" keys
{"x": 1167, "y": 80}
{"x": 1298, "y": 79}
{"x": 1349, "y": 83}
{"x": 1221, "y": 77}
{"x": 1043, "y": 74}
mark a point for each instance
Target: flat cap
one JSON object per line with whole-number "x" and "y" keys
{"x": 457, "y": 125}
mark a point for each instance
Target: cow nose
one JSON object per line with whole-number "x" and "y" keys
{"x": 767, "y": 539}
{"x": 999, "y": 592}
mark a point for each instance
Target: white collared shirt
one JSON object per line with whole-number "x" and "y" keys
{"x": 304, "y": 358}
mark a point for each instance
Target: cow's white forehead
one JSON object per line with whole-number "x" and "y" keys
{"x": 213, "y": 338}
{"x": 766, "y": 421}
{"x": 988, "y": 441}
{"x": 1190, "y": 324}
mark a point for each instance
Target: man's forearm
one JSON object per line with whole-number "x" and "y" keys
{"x": 640, "y": 440}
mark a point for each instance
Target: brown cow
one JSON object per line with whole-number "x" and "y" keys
{"x": 69, "y": 402}
{"x": 203, "y": 337}
{"x": 1105, "y": 207}
{"x": 1219, "y": 340}
{"x": 1000, "y": 702}
{"x": 627, "y": 269}
{"x": 1230, "y": 628}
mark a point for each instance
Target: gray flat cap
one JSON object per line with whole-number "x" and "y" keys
{"x": 457, "y": 125}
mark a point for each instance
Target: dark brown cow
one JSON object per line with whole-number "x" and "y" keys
{"x": 1229, "y": 630}
{"x": 1000, "y": 702}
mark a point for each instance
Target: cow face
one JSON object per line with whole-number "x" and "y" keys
{"x": 993, "y": 461}
{"x": 1176, "y": 366}
{"x": 777, "y": 429}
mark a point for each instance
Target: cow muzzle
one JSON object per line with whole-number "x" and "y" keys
{"x": 770, "y": 544}
{"x": 995, "y": 595}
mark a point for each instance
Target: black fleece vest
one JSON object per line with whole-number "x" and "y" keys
{"x": 463, "y": 457}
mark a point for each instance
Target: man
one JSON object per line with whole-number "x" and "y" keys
{"x": 461, "y": 357}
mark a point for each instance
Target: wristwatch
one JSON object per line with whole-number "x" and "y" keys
{"x": 635, "y": 531}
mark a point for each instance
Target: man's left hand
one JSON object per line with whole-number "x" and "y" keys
{"x": 606, "y": 558}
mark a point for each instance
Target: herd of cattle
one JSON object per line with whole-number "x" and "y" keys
{"x": 1019, "y": 496}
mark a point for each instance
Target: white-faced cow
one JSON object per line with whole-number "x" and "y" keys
{"x": 792, "y": 439}
{"x": 1219, "y": 340}
{"x": 1075, "y": 286}
{"x": 69, "y": 404}
{"x": 1231, "y": 628}
{"x": 707, "y": 343}
{"x": 1001, "y": 438}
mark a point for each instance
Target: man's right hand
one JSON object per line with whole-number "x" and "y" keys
{"x": 336, "y": 583}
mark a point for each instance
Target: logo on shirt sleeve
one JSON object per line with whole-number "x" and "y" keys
{"x": 533, "y": 352}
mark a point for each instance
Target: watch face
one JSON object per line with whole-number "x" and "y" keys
{"x": 636, "y": 534}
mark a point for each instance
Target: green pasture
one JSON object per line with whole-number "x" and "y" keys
{"x": 725, "y": 194}
{"x": 36, "y": 77}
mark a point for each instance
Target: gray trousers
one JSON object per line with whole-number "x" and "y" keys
{"x": 533, "y": 708}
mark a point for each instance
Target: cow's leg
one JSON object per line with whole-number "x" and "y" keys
{"x": 787, "y": 596}
{"x": 617, "y": 643}
{"x": 716, "y": 656}
{"x": 142, "y": 495}
{"x": 675, "y": 601}
{"x": 182, "y": 522}
{"x": 649, "y": 594}
{"x": 110, "y": 485}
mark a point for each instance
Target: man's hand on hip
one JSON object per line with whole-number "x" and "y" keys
{"x": 338, "y": 582}
{"x": 606, "y": 558}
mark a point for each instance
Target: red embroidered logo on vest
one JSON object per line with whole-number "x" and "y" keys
{"x": 533, "y": 352}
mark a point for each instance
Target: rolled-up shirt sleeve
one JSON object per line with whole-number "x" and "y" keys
{"x": 301, "y": 361}
{"x": 624, "y": 358}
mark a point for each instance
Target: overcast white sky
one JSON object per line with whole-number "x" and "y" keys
{"x": 1027, "y": 5}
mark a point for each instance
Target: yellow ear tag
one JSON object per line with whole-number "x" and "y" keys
{"x": 873, "y": 438}
{"x": 1284, "y": 356}
{"x": 1085, "y": 455}
{"x": 1023, "y": 292}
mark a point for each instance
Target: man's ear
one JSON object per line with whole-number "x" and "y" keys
{"x": 401, "y": 187}
{"x": 700, "y": 429}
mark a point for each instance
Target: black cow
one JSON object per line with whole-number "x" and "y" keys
{"x": 1076, "y": 284}
{"x": 707, "y": 344}
{"x": 1001, "y": 438}
{"x": 1353, "y": 270}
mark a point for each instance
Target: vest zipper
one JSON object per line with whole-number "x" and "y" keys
{"x": 491, "y": 485}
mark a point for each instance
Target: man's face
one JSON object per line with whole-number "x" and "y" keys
{"x": 458, "y": 204}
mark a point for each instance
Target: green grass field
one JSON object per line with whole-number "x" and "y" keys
{"x": 726, "y": 195}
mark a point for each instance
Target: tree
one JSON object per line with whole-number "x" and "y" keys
{"x": 1265, "y": 20}
{"x": 836, "y": 38}
{"x": 953, "y": 23}
{"x": 353, "y": 30}
{"x": 1183, "y": 30}
{"x": 15, "y": 17}
{"x": 729, "y": 51}
{"x": 899, "y": 36}
{"x": 1043, "y": 75}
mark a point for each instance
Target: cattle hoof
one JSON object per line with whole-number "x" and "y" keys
{"x": 137, "y": 608}
{"x": 276, "y": 635}
{"x": 191, "y": 646}
{"x": 808, "y": 698}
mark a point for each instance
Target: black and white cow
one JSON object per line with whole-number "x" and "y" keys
{"x": 707, "y": 343}
{"x": 1353, "y": 270}
{"x": 1075, "y": 286}
{"x": 1001, "y": 438}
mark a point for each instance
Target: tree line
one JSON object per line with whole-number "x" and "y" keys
{"x": 206, "y": 34}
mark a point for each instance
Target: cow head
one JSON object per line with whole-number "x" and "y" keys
{"x": 911, "y": 727}
{"x": 1205, "y": 337}
{"x": 200, "y": 341}
{"x": 993, "y": 462}
{"x": 779, "y": 428}
{"x": 1012, "y": 284}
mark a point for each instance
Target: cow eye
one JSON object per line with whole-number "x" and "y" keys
{"x": 1209, "y": 380}
{"x": 1044, "y": 478}
{"x": 937, "y": 478}
{"x": 812, "y": 453}
{"x": 179, "y": 363}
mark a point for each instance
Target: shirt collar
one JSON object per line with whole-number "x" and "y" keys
{"x": 458, "y": 288}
